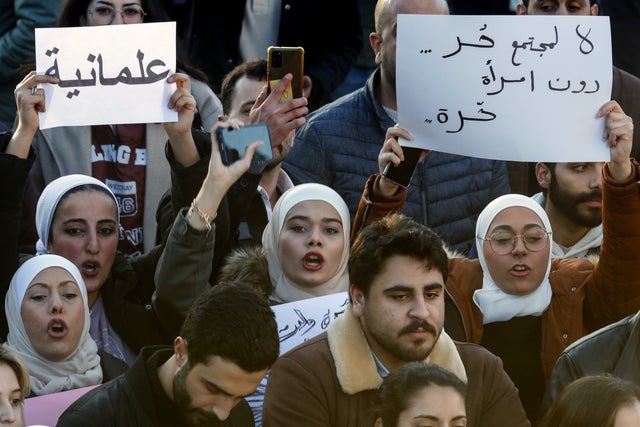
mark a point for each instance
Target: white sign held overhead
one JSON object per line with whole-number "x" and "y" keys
{"x": 110, "y": 74}
{"x": 524, "y": 88}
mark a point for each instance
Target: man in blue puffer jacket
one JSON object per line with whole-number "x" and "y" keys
{"x": 339, "y": 145}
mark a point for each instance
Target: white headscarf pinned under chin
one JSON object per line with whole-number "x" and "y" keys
{"x": 495, "y": 304}
{"x": 285, "y": 290}
{"x": 82, "y": 367}
{"x": 50, "y": 198}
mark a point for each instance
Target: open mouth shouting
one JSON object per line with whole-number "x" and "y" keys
{"x": 57, "y": 328}
{"x": 90, "y": 268}
{"x": 313, "y": 261}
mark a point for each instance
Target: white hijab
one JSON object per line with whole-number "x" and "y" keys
{"x": 82, "y": 367}
{"x": 495, "y": 304}
{"x": 50, "y": 198}
{"x": 285, "y": 290}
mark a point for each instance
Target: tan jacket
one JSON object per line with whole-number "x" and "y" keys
{"x": 331, "y": 381}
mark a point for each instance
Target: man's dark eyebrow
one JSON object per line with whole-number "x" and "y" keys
{"x": 403, "y": 288}
{"x": 215, "y": 387}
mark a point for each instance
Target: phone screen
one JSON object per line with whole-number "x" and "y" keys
{"x": 234, "y": 142}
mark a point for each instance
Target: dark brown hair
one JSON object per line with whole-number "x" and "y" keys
{"x": 592, "y": 401}
{"x": 19, "y": 368}
{"x": 402, "y": 385}
{"x": 254, "y": 70}
{"x": 232, "y": 321}
{"x": 393, "y": 235}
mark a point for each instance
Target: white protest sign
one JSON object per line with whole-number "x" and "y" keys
{"x": 521, "y": 88}
{"x": 109, "y": 74}
{"x": 301, "y": 320}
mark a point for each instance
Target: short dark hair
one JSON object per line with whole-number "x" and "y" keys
{"x": 526, "y": 2}
{"x": 592, "y": 401}
{"x": 254, "y": 70}
{"x": 234, "y": 322}
{"x": 394, "y": 234}
{"x": 402, "y": 385}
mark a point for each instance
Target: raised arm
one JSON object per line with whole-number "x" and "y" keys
{"x": 184, "y": 267}
{"x": 618, "y": 133}
{"x": 15, "y": 163}
{"x": 613, "y": 290}
{"x": 30, "y": 101}
{"x": 180, "y": 138}
{"x": 382, "y": 196}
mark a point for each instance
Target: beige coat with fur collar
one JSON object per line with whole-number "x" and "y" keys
{"x": 331, "y": 381}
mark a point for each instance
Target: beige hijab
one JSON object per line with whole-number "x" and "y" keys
{"x": 286, "y": 290}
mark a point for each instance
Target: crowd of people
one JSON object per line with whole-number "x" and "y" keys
{"x": 473, "y": 300}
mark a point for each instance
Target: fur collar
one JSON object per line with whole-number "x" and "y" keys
{"x": 355, "y": 367}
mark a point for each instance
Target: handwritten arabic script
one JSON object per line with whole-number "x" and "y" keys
{"x": 108, "y": 74}
{"x": 301, "y": 320}
{"x": 502, "y": 87}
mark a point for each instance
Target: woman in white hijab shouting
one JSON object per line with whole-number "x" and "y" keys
{"x": 48, "y": 315}
{"x": 515, "y": 300}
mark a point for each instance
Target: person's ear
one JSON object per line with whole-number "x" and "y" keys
{"x": 379, "y": 422}
{"x": 521, "y": 9}
{"x": 375, "y": 40}
{"x": 595, "y": 10}
{"x": 543, "y": 175}
{"x": 180, "y": 351}
{"x": 357, "y": 301}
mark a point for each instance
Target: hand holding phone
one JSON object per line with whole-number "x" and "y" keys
{"x": 391, "y": 149}
{"x": 402, "y": 173}
{"x": 282, "y": 60}
{"x": 234, "y": 142}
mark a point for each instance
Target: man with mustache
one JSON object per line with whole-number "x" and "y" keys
{"x": 572, "y": 197}
{"x": 397, "y": 269}
{"x": 227, "y": 342}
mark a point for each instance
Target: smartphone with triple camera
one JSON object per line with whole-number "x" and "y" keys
{"x": 282, "y": 60}
{"x": 234, "y": 142}
{"x": 402, "y": 173}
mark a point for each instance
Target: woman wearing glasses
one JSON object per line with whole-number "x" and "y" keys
{"x": 143, "y": 179}
{"x": 515, "y": 300}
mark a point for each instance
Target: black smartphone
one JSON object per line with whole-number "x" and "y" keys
{"x": 402, "y": 173}
{"x": 282, "y": 60}
{"x": 234, "y": 142}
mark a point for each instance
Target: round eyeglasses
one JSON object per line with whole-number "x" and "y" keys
{"x": 504, "y": 242}
{"x": 104, "y": 14}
